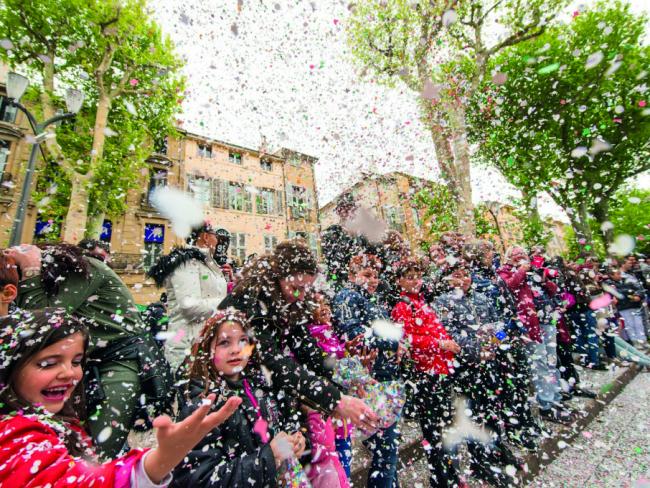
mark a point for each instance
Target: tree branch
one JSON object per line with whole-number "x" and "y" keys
{"x": 523, "y": 35}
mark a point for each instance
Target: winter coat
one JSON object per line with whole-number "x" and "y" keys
{"x": 424, "y": 331}
{"x": 289, "y": 351}
{"x": 195, "y": 286}
{"x": 327, "y": 339}
{"x": 232, "y": 455}
{"x": 338, "y": 247}
{"x": 102, "y": 297}
{"x": 462, "y": 315}
{"x": 354, "y": 310}
{"x": 628, "y": 287}
{"x": 517, "y": 282}
{"x": 32, "y": 454}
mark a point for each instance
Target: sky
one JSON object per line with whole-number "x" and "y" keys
{"x": 281, "y": 70}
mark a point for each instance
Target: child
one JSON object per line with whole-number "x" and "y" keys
{"x": 355, "y": 309}
{"x": 433, "y": 351}
{"x": 242, "y": 451}
{"x": 42, "y": 436}
{"x": 8, "y": 283}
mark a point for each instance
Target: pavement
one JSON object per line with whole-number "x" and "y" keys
{"x": 613, "y": 451}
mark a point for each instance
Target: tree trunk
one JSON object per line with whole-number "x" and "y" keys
{"x": 460, "y": 146}
{"x": 95, "y": 224}
{"x": 74, "y": 226}
{"x": 76, "y": 221}
{"x": 580, "y": 224}
{"x": 601, "y": 214}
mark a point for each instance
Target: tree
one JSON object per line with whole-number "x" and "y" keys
{"x": 439, "y": 207}
{"x": 567, "y": 113}
{"x": 129, "y": 73}
{"x": 438, "y": 50}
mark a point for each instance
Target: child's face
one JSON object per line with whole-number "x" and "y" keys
{"x": 411, "y": 282}
{"x": 50, "y": 376}
{"x": 367, "y": 278}
{"x": 231, "y": 350}
{"x": 323, "y": 313}
{"x": 460, "y": 279}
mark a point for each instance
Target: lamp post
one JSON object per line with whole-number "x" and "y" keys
{"x": 16, "y": 86}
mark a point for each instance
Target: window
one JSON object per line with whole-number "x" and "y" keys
{"x": 266, "y": 201}
{"x": 299, "y": 199}
{"x": 4, "y": 156}
{"x": 238, "y": 198}
{"x": 204, "y": 150}
{"x": 157, "y": 179}
{"x": 10, "y": 111}
{"x": 266, "y": 165}
{"x": 238, "y": 246}
{"x": 234, "y": 158}
{"x": 269, "y": 243}
{"x": 313, "y": 243}
{"x": 107, "y": 231}
{"x": 295, "y": 161}
{"x": 154, "y": 238}
{"x": 200, "y": 188}
{"x": 395, "y": 218}
{"x": 416, "y": 217}
{"x": 160, "y": 145}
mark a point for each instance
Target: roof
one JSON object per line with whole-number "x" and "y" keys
{"x": 371, "y": 177}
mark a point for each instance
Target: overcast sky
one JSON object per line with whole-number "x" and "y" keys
{"x": 281, "y": 69}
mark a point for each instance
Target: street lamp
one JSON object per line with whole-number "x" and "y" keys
{"x": 16, "y": 86}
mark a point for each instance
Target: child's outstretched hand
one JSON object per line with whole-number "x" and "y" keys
{"x": 352, "y": 346}
{"x": 175, "y": 440}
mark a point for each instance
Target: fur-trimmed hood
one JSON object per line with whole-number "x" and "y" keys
{"x": 166, "y": 265}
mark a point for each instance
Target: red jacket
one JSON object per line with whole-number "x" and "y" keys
{"x": 425, "y": 332}
{"x": 33, "y": 455}
{"x": 523, "y": 293}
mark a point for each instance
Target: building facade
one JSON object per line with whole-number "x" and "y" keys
{"x": 390, "y": 198}
{"x": 261, "y": 199}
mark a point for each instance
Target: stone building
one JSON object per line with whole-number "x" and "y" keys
{"x": 390, "y": 198}
{"x": 261, "y": 199}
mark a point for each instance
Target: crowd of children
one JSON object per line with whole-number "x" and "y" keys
{"x": 302, "y": 357}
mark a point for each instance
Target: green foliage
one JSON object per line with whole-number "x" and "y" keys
{"x": 485, "y": 224}
{"x": 439, "y": 208}
{"x": 564, "y": 123}
{"x": 115, "y": 53}
{"x": 629, "y": 213}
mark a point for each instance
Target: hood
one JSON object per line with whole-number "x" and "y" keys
{"x": 166, "y": 265}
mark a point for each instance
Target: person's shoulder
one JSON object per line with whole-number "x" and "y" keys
{"x": 19, "y": 425}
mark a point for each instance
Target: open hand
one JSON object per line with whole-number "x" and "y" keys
{"x": 357, "y": 412}
{"x": 175, "y": 440}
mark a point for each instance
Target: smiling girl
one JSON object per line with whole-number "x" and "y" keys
{"x": 248, "y": 449}
{"x": 43, "y": 441}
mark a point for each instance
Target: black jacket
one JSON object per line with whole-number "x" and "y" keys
{"x": 231, "y": 455}
{"x": 298, "y": 366}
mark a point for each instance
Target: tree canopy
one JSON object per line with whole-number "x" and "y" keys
{"x": 566, "y": 112}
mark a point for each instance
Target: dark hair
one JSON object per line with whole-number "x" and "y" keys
{"x": 262, "y": 275}
{"x": 8, "y": 271}
{"x": 24, "y": 334}
{"x": 205, "y": 227}
{"x": 91, "y": 244}
{"x": 201, "y": 366}
{"x": 408, "y": 265}
{"x": 362, "y": 261}
{"x": 58, "y": 262}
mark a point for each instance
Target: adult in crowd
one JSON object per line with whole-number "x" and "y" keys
{"x": 583, "y": 275}
{"x": 195, "y": 285}
{"x": 343, "y": 240}
{"x": 96, "y": 249}
{"x": 392, "y": 251}
{"x": 539, "y": 331}
{"x": 60, "y": 275}
{"x": 271, "y": 293}
{"x": 630, "y": 298}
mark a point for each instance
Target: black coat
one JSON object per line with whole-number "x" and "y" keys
{"x": 231, "y": 455}
{"x": 298, "y": 366}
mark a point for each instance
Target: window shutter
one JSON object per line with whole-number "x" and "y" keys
{"x": 248, "y": 200}
{"x": 279, "y": 201}
{"x": 216, "y": 192}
